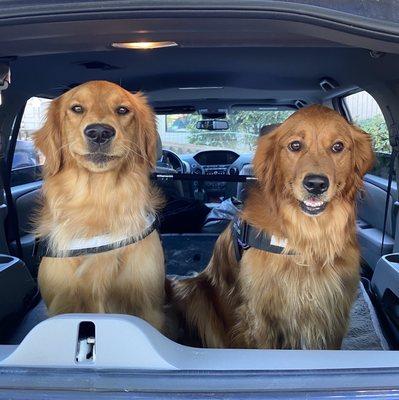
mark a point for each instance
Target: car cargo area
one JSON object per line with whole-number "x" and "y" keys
{"x": 219, "y": 77}
{"x": 186, "y": 255}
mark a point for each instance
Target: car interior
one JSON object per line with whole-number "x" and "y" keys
{"x": 219, "y": 71}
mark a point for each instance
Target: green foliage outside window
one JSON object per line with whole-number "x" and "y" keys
{"x": 377, "y": 128}
{"x": 244, "y": 128}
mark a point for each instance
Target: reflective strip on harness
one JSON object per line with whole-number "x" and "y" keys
{"x": 246, "y": 236}
{"x": 97, "y": 244}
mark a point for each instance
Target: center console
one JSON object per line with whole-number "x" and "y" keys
{"x": 213, "y": 163}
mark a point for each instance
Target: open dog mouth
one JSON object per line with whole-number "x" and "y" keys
{"x": 313, "y": 206}
{"x": 100, "y": 158}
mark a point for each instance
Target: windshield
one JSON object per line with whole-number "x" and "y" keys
{"x": 179, "y": 133}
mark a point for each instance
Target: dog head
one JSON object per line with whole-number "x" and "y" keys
{"x": 99, "y": 126}
{"x": 313, "y": 158}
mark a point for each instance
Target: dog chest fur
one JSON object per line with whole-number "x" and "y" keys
{"x": 289, "y": 305}
{"x": 128, "y": 280}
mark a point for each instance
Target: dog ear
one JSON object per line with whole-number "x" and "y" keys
{"x": 363, "y": 153}
{"x": 48, "y": 140}
{"x": 147, "y": 130}
{"x": 265, "y": 159}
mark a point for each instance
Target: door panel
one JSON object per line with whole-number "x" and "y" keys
{"x": 26, "y": 199}
{"x": 370, "y": 219}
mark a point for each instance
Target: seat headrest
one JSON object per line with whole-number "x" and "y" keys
{"x": 267, "y": 129}
{"x": 159, "y": 147}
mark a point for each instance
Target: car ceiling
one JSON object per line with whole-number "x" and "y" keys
{"x": 270, "y": 62}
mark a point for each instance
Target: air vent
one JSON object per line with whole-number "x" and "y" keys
{"x": 234, "y": 171}
{"x": 197, "y": 171}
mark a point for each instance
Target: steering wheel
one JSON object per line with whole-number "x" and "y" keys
{"x": 173, "y": 160}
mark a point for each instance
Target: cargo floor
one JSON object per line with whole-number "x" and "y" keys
{"x": 364, "y": 332}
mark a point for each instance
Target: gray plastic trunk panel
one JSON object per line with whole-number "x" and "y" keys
{"x": 126, "y": 342}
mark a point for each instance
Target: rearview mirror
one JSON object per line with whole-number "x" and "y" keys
{"x": 212, "y": 125}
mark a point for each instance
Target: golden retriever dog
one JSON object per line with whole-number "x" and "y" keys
{"x": 99, "y": 143}
{"x": 308, "y": 172}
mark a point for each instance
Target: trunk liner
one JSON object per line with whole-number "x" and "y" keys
{"x": 364, "y": 332}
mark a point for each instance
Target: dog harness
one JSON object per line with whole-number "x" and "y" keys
{"x": 246, "y": 236}
{"x": 96, "y": 244}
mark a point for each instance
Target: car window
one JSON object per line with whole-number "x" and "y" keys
{"x": 180, "y": 134}
{"x": 26, "y": 159}
{"x": 365, "y": 112}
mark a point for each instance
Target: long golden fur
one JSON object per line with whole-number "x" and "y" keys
{"x": 103, "y": 191}
{"x": 299, "y": 301}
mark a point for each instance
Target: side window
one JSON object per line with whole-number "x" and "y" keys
{"x": 26, "y": 160}
{"x": 366, "y": 114}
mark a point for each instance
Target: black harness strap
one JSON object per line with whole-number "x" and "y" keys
{"x": 246, "y": 236}
{"x": 394, "y": 154}
{"x": 45, "y": 251}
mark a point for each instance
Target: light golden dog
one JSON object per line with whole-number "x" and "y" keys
{"x": 309, "y": 170}
{"x": 99, "y": 142}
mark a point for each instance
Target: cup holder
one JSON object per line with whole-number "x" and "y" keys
{"x": 393, "y": 258}
{"x": 6, "y": 259}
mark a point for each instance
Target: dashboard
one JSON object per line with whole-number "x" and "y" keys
{"x": 216, "y": 157}
{"x": 216, "y": 162}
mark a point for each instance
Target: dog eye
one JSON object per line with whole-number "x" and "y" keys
{"x": 77, "y": 109}
{"x": 337, "y": 147}
{"x": 122, "y": 110}
{"x": 296, "y": 145}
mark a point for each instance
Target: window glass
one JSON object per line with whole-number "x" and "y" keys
{"x": 26, "y": 162}
{"x": 180, "y": 134}
{"x": 366, "y": 113}
{"x": 25, "y": 155}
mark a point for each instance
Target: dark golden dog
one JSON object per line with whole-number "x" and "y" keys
{"x": 100, "y": 143}
{"x": 309, "y": 170}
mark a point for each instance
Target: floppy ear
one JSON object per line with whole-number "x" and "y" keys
{"x": 48, "y": 140}
{"x": 363, "y": 152}
{"x": 147, "y": 130}
{"x": 265, "y": 159}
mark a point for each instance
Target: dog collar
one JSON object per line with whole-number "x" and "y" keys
{"x": 96, "y": 244}
{"x": 246, "y": 236}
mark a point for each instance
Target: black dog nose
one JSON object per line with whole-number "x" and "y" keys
{"x": 99, "y": 133}
{"x": 316, "y": 184}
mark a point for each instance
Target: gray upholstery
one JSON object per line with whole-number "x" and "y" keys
{"x": 371, "y": 207}
{"x": 370, "y": 213}
{"x": 370, "y": 243}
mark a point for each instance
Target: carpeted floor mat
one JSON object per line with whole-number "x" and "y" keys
{"x": 364, "y": 329}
